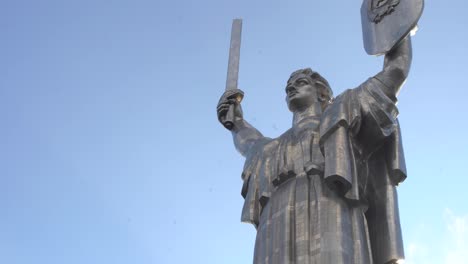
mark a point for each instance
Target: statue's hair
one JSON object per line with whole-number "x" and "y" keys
{"x": 323, "y": 89}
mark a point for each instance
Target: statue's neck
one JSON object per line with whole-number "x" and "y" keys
{"x": 313, "y": 110}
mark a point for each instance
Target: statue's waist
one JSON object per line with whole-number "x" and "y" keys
{"x": 309, "y": 169}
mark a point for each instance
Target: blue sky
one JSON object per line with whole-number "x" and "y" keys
{"x": 111, "y": 148}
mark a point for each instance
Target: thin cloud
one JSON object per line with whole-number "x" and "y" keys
{"x": 451, "y": 248}
{"x": 457, "y": 227}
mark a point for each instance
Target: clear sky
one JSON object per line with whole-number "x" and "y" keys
{"x": 112, "y": 153}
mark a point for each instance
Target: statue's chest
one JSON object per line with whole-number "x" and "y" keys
{"x": 298, "y": 153}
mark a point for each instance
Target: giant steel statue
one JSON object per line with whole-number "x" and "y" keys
{"x": 324, "y": 192}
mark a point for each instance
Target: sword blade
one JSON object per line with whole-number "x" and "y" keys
{"x": 234, "y": 55}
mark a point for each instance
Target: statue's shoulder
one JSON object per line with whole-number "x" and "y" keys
{"x": 340, "y": 104}
{"x": 262, "y": 146}
{"x": 350, "y": 98}
{"x": 343, "y": 111}
{"x": 266, "y": 146}
{"x": 342, "y": 97}
{"x": 270, "y": 144}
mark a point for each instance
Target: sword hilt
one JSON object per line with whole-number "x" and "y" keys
{"x": 238, "y": 95}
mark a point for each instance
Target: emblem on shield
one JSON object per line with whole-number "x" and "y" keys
{"x": 378, "y": 9}
{"x": 386, "y": 22}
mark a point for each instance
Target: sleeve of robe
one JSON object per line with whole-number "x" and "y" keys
{"x": 257, "y": 180}
{"x": 364, "y": 161}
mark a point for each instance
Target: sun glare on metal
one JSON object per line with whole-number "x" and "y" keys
{"x": 414, "y": 30}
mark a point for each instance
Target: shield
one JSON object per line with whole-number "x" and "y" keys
{"x": 387, "y": 22}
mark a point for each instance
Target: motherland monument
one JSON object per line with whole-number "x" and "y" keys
{"x": 324, "y": 192}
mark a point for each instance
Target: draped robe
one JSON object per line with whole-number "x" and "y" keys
{"x": 324, "y": 191}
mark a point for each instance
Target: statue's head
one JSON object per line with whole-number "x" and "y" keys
{"x": 305, "y": 88}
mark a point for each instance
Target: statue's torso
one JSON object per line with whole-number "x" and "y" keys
{"x": 302, "y": 220}
{"x": 297, "y": 152}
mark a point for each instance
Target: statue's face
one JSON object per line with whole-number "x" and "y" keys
{"x": 301, "y": 92}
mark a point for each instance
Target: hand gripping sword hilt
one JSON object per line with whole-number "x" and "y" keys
{"x": 238, "y": 95}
